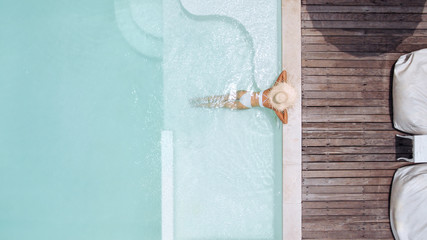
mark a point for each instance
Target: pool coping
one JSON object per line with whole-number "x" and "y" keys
{"x": 292, "y": 132}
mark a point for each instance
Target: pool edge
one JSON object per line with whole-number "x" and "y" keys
{"x": 292, "y": 132}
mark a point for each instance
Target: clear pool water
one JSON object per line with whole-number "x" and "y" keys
{"x": 88, "y": 89}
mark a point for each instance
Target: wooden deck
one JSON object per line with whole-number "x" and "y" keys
{"x": 349, "y": 145}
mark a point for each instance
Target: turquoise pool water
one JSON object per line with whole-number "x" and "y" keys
{"x": 88, "y": 88}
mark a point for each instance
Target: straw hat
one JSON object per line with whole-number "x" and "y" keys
{"x": 282, "y": 96}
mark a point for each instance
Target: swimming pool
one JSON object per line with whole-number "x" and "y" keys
{"x": 99, "y": 140}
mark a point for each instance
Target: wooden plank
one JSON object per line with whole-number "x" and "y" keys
{"x": 373, "y": 157}
{"x": 328, "y": 142}
{"x": 348, "y": 181}
{"x": 361, "y": 50}
{"x": 362, "y": 9}
{"x": 363, "y": 32}
{"x": 345, "y": 72}
{"x": 353, "y": 235}
{"x": 332, "y": 225}
{"x": 332, "y": 189}
{"x": 363, "y": 25}
{"x": 344, "y": 102}
{"x": 349, "y": 57}
{"x": 377, "y": 189}
{"x": 363, "y": 2}
{"x": 348, "y": 219}
{"x": 345, "y": 189}
{"x": 345, "y": 204}
{"x": 361, "y": 79}
{"x": 347, "y": 173}
{"x": 350, "y": 134}
{"x": 385, "y": 234}
{"x": 359, "y": 40}
{"x": 345, "y": 197}
{"x": 346, "y": 95}
{"x": 360, "y": 142}
{"x": 347, "y": 142}
{"x": 378, "y": 17}
{"x": 346, "y": 212}
{"x": 354, "y": 150}
{"x": 347, "y": 110}
{"x": 347, "y": 64}
{"x": 325, "y": 126}
{"x": 346, "y": 118}
{"x": 332, "y": 234}
{"x": 354, "y": 165}
{"x": 347, "y": 87}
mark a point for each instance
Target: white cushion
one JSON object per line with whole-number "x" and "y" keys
{"x": 410, "y": 93}
{"x": 408, "y": 203}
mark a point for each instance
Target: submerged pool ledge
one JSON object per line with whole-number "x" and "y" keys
{"x": 292, "y": 132}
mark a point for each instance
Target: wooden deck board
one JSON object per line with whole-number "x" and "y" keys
{"x": 349, "y": 146}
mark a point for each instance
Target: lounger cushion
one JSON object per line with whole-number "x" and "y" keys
{"x": 410, "y": 93}
{"x": 408, "y": 203}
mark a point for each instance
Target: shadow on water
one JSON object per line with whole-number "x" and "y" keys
{"x": 376, "y": 36}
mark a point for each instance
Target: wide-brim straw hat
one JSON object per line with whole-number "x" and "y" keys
{"x": 282, "y": 96}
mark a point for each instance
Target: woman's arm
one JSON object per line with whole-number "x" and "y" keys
{"x": 283, "y": 116}
{"x": 282, "y": 77}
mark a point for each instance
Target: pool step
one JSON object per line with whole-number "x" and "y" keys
{"x": 167, "y": 185}
{"x": 141, "y": 25}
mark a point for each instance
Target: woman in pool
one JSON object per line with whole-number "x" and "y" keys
{"x": 278, "y": 98}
